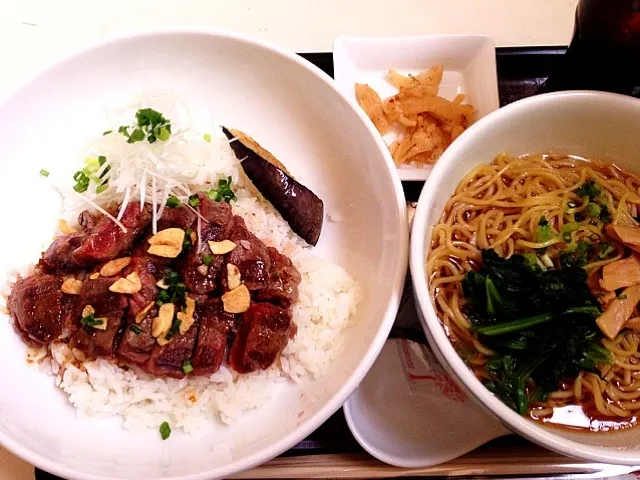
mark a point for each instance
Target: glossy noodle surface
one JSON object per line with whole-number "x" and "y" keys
{"x": 551, "y": 214}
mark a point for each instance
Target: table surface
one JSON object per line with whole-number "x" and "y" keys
{"x": 34, "y": 33}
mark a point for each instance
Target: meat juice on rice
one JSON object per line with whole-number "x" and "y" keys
{"x": 328, "y": 298}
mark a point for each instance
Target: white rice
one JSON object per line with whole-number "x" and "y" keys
{"x": 328, "y": 299}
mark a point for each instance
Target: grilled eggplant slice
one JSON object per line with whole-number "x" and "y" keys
{"x": 298, "y": 205}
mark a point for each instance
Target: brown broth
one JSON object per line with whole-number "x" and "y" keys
{"x": 585, "y": 417}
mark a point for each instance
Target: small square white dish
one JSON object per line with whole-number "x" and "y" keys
{"x": 469, "y": 67}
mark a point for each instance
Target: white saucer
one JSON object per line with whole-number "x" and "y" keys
{"x": 408, "y": 412}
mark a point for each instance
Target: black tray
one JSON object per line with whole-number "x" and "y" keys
{"x": 521, "y": 71}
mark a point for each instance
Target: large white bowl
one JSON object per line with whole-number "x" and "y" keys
{"x": 594, "y": 125}
{"x": 295, "y": 111}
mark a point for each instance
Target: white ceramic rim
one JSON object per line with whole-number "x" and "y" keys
{"x": 431, "y": 323}
{"x": 396, "y": 283}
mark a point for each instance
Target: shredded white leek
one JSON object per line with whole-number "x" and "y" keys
{"x": 150, "y": 173}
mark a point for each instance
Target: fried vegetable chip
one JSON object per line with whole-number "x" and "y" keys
{"x": 426, "y": 123}
{"x": 371, "y": 103}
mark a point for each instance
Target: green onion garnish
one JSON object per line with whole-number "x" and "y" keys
{"x": 622, "y": 297}
{"x": 164, "y": 134}
{"x": 194, "y": 201}
{"x": 44, "y": 173}
{"x": 223, "y": 192}
{"x": 136, "y": 136}
{"x": 207, "y": 137}
{"x": 207, "y": 259}
{"x": 174, "y": 329}
{"x": 187, "y": 368}
{"x": 592, "y": 210}
{"x": 91, "y": 321}
{"x": 135, "y": 329}
{"x": 163, "y": 297}
{"x": 107, "y": 132}
{"x": 151, "y": 126}
{"x": 165, "y": 430}
{"x": 173, "y": 202}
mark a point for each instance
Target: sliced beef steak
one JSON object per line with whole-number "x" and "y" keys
{"x": 43, "y": 314}
{"x": 58, "y": 256}
{"x": 168, "y": 359}
{"x": 38, "y": 308}
{"x": 282, "y": 285}
{"x": 110, "y": 306}
{"x": 106, "y": 240}
{"x": 264, "y": 332}
{"x": 250, "y": 256}
{"x": 179, "y": 217}
{"x": 87, "y": 220}
{"x": 201, "y": 280}
{"x": 144, "y": 265}
{"x": 137, "y": 343}
{"x": 211, "y": 345}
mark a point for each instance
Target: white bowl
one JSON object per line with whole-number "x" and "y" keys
{"x": 469, "y": 66}
{"x": 590, "y": 124}
{"x": 295, "y": 110}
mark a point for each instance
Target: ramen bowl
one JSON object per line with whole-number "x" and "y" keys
{"x": 296, "y": 112}
{"x": 588, "y": 124}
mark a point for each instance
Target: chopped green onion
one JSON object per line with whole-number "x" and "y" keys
{"x": 163, "y": 297}
{"x": 102, "y": 160}
{"x": 82, "y": 182}
{"x": 101, "y": 188}
{"x": 589, "y": 189}
{"x": 604, "y": 250}
{"x": 186, "y": 243}
{"x": 187, "y": 368}
{"x": 568, "y": 229}
{"x": 165, "y": 430}
{"x": 622, "y": 297}
{"x": 173, "y": 202}
{"x": 44, "y": 173}
{"x": 223, "y": 192}
{"x": 592, "y": 210}
{"x": 105, "y": 171}
{"x": 150, "y": 117}
{"x": 194, "y": 201}
{"x": 136, "y": 136}
{"x": 207, "y": 137}
{"x": 207, "y": 259}
{"x": 543, "y": 232}
{"x": 91, "y": 321}
{"x": 107, "y": 132}
{"x": 151, "y": 126}
{"x": 174, "y": 329}
{"x": 530, "y": 260}
{"x": 136, "y": 329}
{"x": 79, "y": 176}
{"x": 164, "y": 134}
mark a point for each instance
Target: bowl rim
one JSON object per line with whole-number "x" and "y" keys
{"x": 428, "y": 317}
{"x": 395, "y": 284}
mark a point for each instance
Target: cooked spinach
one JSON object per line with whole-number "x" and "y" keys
{"x": 540, "y": 324}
